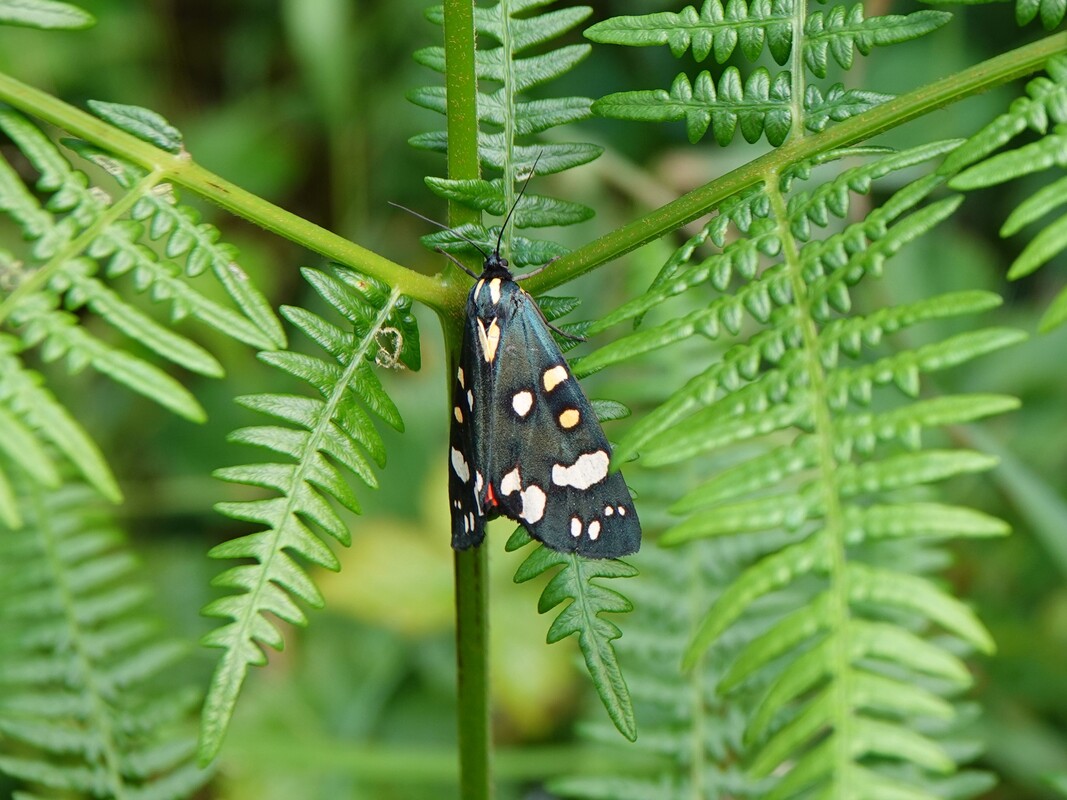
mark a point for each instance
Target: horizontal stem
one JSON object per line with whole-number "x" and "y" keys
{"x": 179, "y": 168}
{"x": 977, "y": 79}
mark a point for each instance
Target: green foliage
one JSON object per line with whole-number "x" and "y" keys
{"x": 518, "y": 27}
{"x": 45, "y": 14}
{"x": 88, "y": 703}
{"x": 78, "y": 244}
{"x": 585, "y": 602}
{"x": 1043, "y": 110}
{"x": 320, "y": 434}
{"x": 819, "y": 453}
{"x": 761, "y": 102}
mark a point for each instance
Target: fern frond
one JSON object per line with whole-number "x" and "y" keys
{"x": 1044, "y": 110}
{"x": 83, "y": 707}
{"x": 574, "y": 582}
{"x": 320, "y": 435}
{"x": 689, "y": 735}
{"x": 79, "y": 243}
{"x": 759, "y": 102}
{"x": 517, "y": 28}
{"x": 79, "y": 228}
{"x": 785, "y": 405}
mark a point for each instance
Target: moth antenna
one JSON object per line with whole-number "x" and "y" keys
{"x": 440, "y": 225}
{"x": 504, "y": 224}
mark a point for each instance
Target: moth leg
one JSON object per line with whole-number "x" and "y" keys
{"x": 564, "y": 334}
{"x": 541, "y": 268}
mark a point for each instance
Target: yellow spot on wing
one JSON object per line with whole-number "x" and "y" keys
{"x": 569, "y": 418}
{"x": 489, "y": 339}
{"x": 554, "y": 377}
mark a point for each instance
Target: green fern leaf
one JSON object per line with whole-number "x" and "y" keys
{"x": 143, "y": 123}
{"x": 23, "y": 394}
{"x": 328, "y": 430}
{"x": 820, "y": 488}
{"x": 839, "y": 32}
{"x": 1042, "y": 110}
{"x": 1050, "y": 12}
{"x": 82, "y": 695}
{"x": 45, "y": 14}
{"x": 518, "y": 28}
{"x": 717, "y": 29}
{"x": 588, "y": 600}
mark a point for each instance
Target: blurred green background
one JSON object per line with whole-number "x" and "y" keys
{"x": 303, "y": 102}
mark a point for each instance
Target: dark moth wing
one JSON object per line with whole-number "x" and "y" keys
{"x": 525, "y": 441}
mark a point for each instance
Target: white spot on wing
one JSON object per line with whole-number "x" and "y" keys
{"x": 512, "y": 482}
{"x": 622, "y": 511}
{"x": 459, "y": 465}
{"x": 522, "y": 402}
{"x": 494, "y": 290}
{"x": 459, "y": 376}
{"x": 608, "y": 511}
{"x": 594, "y": 529}
{"x": 576, "y": 527}
{"x": 470, "y": 400}
{"x": 554, "y": 376}
{"x": 533, "y": 504}
{"x": 590, "y": 468}
{"x": 477, "y": 482}
{"x": 458, "y": 413}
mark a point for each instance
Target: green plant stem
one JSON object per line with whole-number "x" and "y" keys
{"x": 179, "y": 168}
{"x": 472, "y": 668}
{"x": 471, "y": 566}
{"x": 975, "y": 80}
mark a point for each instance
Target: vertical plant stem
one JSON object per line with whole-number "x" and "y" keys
{"x": 472, "y": 591}
{"x": 472, "y": 646}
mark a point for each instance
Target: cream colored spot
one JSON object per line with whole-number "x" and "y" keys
{"x": 608, "y": 511}
{"x": 576, "y": 527}
{"x": 569, "y": 418}
{"x": 470, "y": 400}
{"x": 489, "y": 339}
{"x": 459, "y": 465}
{"x": 494, "y": 290}
{"x": 594, "y": 529}
{"x": 478, "y": 288}
{"x": 522, "y": 402}
{"x": 512, "y": 482}
{"x": 554, "y": 377}
{"x": 590, "y": 468}
{"x": 533, "y": 504}
{"x": 458, "y": 413}
{"x": 477, "y": 483}
{"x": 622, "y": 511}
{"x": 459, "y": 375}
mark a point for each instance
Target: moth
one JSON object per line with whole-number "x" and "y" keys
{"x": 524, "y": 441}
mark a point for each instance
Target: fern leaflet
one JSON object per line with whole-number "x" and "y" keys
{"x": 319, "y": 435}
{"x": 1043, "y": 110}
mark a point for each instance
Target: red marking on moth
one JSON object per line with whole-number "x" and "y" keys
{"x": 490, "y": 496}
